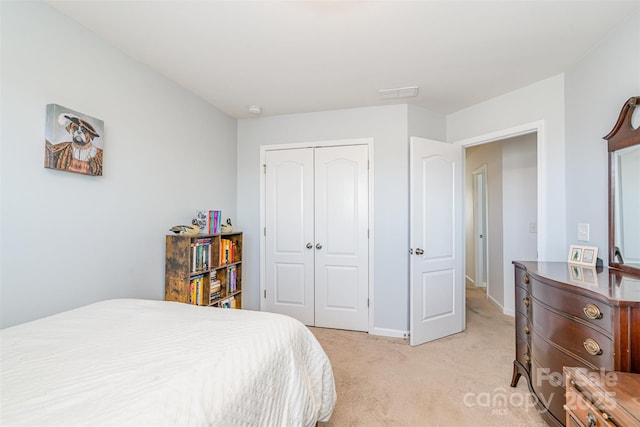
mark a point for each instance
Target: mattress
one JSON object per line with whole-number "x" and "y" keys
{"x": 141, "y": 362}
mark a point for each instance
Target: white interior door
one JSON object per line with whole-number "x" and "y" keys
{"x": 436, "y": 234}
{"x": 341, "y": 249}
{"x": 289, "y": 223}
{"x": 316, "y": 235}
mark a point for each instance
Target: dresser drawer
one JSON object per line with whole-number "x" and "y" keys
{"x": 522, "y": 277}
{"x": 579, "y": 339}
{"x": 523, "y": 301}
{"x": 547, "y": 377}
{"x": 523, "y": 327}
{"x": 523, "y": 352}
{"x": 547, "y": 374}
{"x": 584, "y": 411}
{"x": 595, "y": 312}
{"x": 571, "y": 422}
{"x": 602, "y": 398}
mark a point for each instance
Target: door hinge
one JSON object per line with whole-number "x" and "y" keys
{"x": 265, "y": 293}
{"x": 367, "y": 302}
{"x": 264, "y": 169}
{"x": 264, "y": 231}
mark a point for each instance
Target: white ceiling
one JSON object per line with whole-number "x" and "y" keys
{"x": 305, "y": 56}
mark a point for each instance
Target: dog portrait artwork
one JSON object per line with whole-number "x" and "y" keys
{"x": 73, "y": 141}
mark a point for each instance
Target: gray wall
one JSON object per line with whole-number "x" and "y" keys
{"x": 595, "y": 90}
{"x": 70, "y": 239}
{"x": 575, "y": 110}
{"x": 541, "y": 103}
{"x": 519, "y": 209}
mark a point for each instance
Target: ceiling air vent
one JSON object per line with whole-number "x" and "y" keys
{"x": 401, "y": 92}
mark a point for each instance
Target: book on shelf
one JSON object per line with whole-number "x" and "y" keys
{"x": 215, "y": 289}
{"x": 227, "y": 251}
{"x": 196, "y": 290}
{"x": 228, "y": 303}
{"x": 201, "y": 254}
{"x": 214, "y": 296}
{"x": 232, "y": 279}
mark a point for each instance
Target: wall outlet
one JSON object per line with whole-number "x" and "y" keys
{"x": 583, "y": 232}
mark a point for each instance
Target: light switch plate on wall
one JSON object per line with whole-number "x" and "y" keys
{"x": 583, "y": 232}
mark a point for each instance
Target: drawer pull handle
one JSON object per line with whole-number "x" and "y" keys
{"x": 525, "y": 278}
{"x": 592, "y": 347}
{"x": 591, "y": 420}
{"x": 526, "y": 329}
{"x": 592, "y": 311}
{"x": 526, "y": 301}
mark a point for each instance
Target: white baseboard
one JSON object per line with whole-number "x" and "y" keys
{"x": 469, "y": 280}
{"x": 500, "y": 307}
{"x": 392, "y": 333}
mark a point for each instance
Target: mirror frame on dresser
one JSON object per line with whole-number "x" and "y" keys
{"x": 623, "y": 135}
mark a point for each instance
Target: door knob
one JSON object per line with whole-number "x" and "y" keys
{"x": 309, "y": 245}
{"x": 318, "y": 246}
{"x": 419, "y": 251}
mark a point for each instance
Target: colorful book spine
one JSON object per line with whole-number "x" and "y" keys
{"x": 196, "y": 290}
{"x": 217, "y": 215}
{"x": 232, "y": 282}
{"x": 225, "y": 251}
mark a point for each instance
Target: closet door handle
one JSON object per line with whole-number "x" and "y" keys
{"x": 419, "y": 251}
{"x": 309, "y": 245}
{"x": 318, "y": 246}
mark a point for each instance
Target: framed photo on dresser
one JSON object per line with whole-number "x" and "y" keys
{"x": 583, "y": 255}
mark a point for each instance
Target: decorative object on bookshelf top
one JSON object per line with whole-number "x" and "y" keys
{"x": 209, "y": 221}
{"x": 187, "y": 230}
{"x": 227, "y": 228}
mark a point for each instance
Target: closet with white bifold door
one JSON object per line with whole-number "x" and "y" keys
{"x": 316, "y": 235}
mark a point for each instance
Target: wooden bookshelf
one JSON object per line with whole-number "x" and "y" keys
{"x": 196, "y": 265}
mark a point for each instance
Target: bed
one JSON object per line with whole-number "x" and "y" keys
{"x": 141, "y": 362}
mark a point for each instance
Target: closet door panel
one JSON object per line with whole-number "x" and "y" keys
{"x": 289, "y": 218}
{"x": 341, "y": 235}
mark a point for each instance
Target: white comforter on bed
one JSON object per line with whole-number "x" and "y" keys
{"x": 140, "y": 362}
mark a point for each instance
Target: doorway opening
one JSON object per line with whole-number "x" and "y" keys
{"x": 480, "y": 205}
{"x": 502, "y": 206}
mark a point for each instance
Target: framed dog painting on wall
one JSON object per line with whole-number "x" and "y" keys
{"x": 73, "y": 141}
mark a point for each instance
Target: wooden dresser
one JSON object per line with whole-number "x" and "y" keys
{"x": 565, "y": 317}
{"x": 602, "y": 398}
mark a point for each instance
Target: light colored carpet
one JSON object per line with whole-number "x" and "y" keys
{"x": 460, "y": 380}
